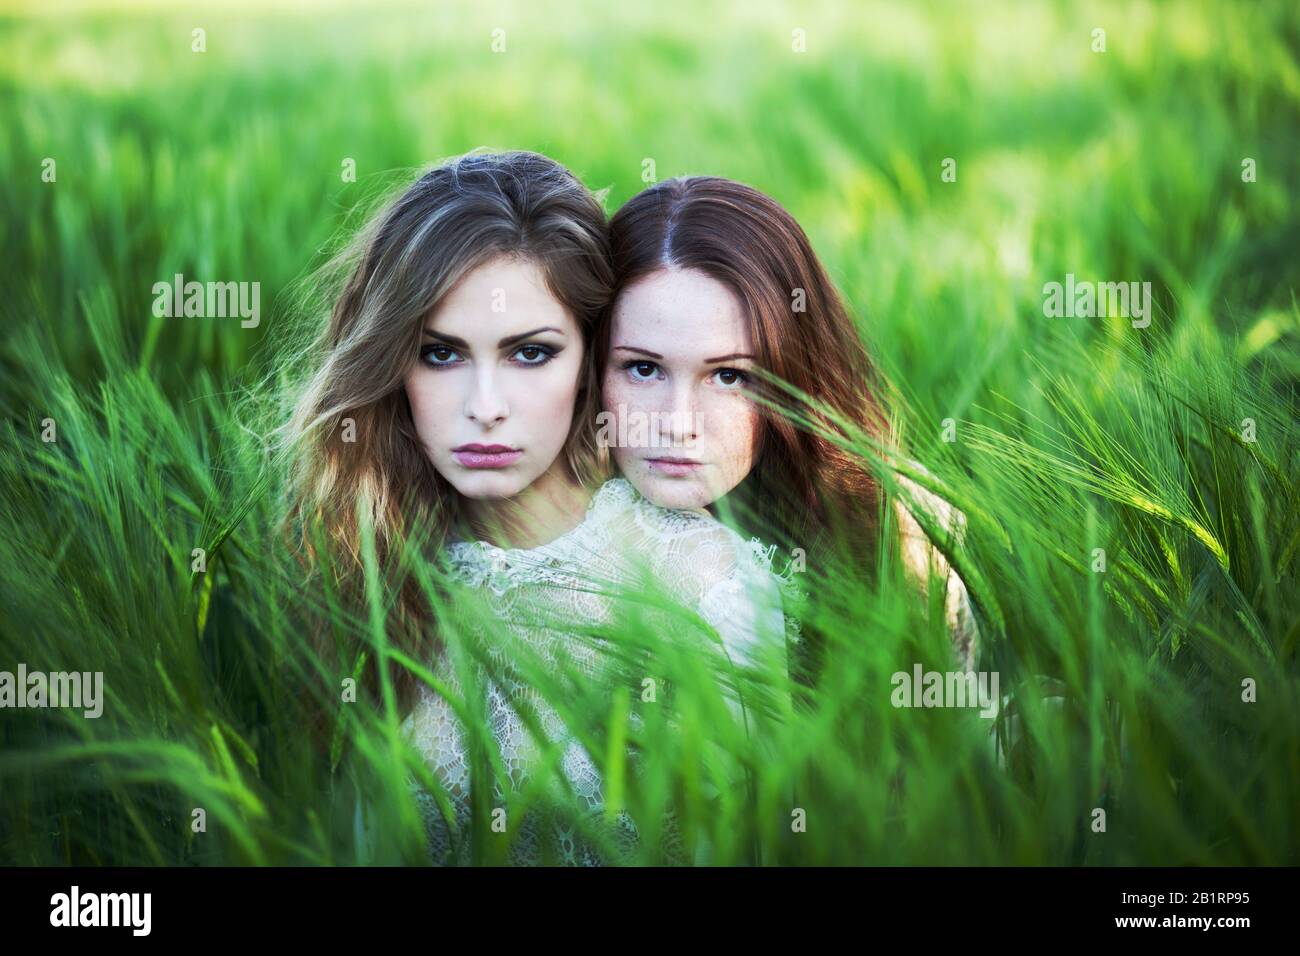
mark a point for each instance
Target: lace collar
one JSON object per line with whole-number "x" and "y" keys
{"x": 480, "y": 562}
{"x": 484, "y": 556}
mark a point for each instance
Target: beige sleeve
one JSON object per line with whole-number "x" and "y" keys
{"x": 920, "y": 556}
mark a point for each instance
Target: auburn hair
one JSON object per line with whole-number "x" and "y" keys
{"x": 804, "y": 489}
{"x": 802, "y": 332}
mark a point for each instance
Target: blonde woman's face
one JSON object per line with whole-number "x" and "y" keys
{"x": 682, "y": 427}
{"x": 493, "y": 389}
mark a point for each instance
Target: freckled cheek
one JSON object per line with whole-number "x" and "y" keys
{"x": 619, "y": 404}
{"x": 737, "y": 433}
{"x": 727, "y": 425}
{"x": 618, "y": 399}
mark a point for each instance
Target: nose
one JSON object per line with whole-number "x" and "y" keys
{"x": 681, "y": 415}
{"x": 485, "y": 403}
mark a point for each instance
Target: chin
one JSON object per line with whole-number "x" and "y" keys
{"x": 674, "y": 492}
{"x": 488, "y": 484}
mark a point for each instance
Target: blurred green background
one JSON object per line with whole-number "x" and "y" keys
{"x": 1072, "y": 434}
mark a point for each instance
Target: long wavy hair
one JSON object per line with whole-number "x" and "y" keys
{"x": 354, "y": 455}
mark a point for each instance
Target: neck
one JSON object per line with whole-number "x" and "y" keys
{"x": 546, "y": 509}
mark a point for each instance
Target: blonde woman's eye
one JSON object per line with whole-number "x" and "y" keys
{"x": 534, "y": 355}
{"x": 640, "y": 371}
{"x": 436, "y": 355}
{"x": 731, "y": 378}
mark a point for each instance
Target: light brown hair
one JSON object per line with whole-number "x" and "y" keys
{"x": 453, "y": 219}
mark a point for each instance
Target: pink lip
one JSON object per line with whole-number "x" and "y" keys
{"x": 475, "y": 455}
{"x": 674, "y": 467}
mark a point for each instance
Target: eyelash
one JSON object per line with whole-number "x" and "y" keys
{"x": 633, "y": 363}
{"x": 547, "y": 351}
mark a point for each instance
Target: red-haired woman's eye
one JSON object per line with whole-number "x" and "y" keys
{"x": 641, "y": 371}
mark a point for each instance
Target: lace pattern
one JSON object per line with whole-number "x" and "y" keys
{"x": 536, "y": 592}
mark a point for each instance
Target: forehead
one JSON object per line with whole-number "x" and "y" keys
{"x": 680, "y": 313}
{"x": 498, "y": 297}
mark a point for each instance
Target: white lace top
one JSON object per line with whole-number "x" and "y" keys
{"x": 728, "y": 581}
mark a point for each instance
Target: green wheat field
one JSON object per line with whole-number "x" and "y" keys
{"x": 1130, "y": 490}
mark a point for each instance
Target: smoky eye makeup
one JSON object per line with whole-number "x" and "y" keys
{"x": 535, "y": 353}
{"x": 437, "y": 354}
{"x": 434, "y": 354}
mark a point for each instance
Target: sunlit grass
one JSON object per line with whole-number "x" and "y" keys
{"x": 1123, "y": 688}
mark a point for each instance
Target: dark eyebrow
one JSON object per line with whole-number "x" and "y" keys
{"x": 512, "y": 339}
{"x": 504, "y": 343}
{"x": 633, "y": 348}
{"x": 708, "y": 361}
{"x": 449, "y": 339}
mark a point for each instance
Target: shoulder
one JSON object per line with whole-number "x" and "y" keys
{"x": 726, "y": 578}
{"x": 934, "y": 507}
{"x": 923, "y": 554}
{"x": 926, "y": 522}
{"x": 741, "y": 596}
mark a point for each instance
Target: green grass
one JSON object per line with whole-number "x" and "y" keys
{"x": 1071, "y": 435}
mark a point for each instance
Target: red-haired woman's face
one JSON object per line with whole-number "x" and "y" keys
{"x": 682, "y": 427}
